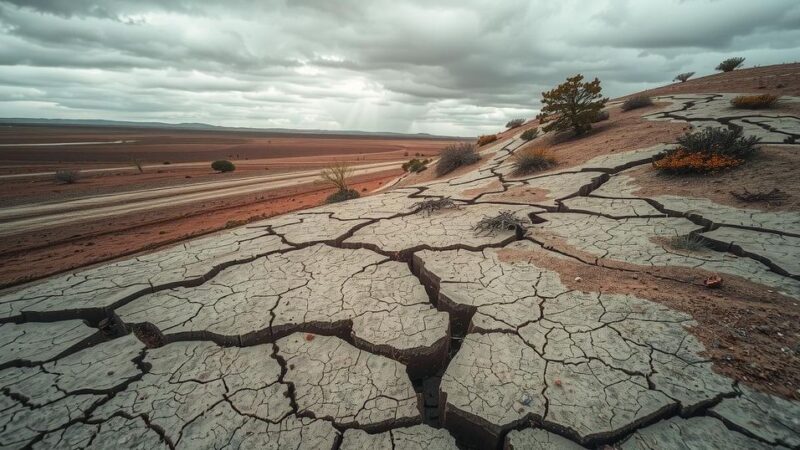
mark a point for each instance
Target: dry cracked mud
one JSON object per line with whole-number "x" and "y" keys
{"x": 372, "y": 324}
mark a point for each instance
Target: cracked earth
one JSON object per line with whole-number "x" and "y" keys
{"x": 370, "y": 324}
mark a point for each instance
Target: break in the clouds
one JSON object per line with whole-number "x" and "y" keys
{"x": 458, "y": 67}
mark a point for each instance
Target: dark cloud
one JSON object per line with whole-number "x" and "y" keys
{"x": 451, "y": 66}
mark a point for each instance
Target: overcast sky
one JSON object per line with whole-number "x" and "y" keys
{"x": 458, "y": 67}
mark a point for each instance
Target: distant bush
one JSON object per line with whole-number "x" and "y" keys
{"x": 637, "y": 101}
{"x": 514, "y": 123}
{"x": 529, "y": 134}
{"x": 710, "y": 150}
{"x": 532, "y": 160}
{"x": 486, "y": 139}
{"x": 415, "y": 165}
{"x": 456, "y": 155}
{"x": 67, "y": 176}
{"x": 431, "y": 205}
{"x": 601, "y": 116}
{"x": 690, "y": 242}
{"x": 336, "y": 175}
{"x": 340, "y": 196}
{"x": 682, "y": 77}
{"x": 571, "y": 106}
{"x": 730, "y": 64}
{"x": 223, "y": 165}
{"x": 754, "y": 101}
{"x": 138, "y": 164}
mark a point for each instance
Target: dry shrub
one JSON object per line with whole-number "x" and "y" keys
{"x": 683, "y": 77}
{"x": 337, "y": 174}
{"x": 754, "y": 101}
{"x": 682, "y": 161}
{"x": 601, "y": 116}
{"x": 68, "y": 176}
{"x": 515, "y": 123}
{"x": 637, "y": 101}
{"x": 529, "y": 134}
{"x": 533, "y": 160}
{"x": 486, "y": 139}
{"x": 456, "y": 155}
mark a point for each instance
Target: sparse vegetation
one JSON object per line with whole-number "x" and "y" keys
{"x": 138, "y": 164}
{"x": 504, "y": 221}
{"x": 601, "y": 116}
{"x": 529, "y": 134}
{"x": 337, "y": 175}
{"x": 429, "y": 206}
{"x": 532, "y": 160}
{"x": 456, "y": 155}
{"x": 637, "y": 101}
{"x": 223, "y": 165}
{"x": 415, "y": 165}
{"x": 710, "y": 150}
{"x": 515, "y": 123}
{"x": 690, "y": 242}
{"x": 572, "y": 106}
{"x": 67, "y": 176}
{"x": 730, "y": 64}
{"x": 773, "y": 197}
{"x": 683, "y": 77}
{"x": 486, "y": 139}
{"x": 762, "y": 101}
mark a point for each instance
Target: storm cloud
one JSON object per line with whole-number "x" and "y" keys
{"x": 447, "y": 67}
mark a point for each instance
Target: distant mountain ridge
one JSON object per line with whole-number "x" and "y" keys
{"x": 207, "y": 127}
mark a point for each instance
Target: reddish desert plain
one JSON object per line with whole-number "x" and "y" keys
{"x": 115, "y": 210}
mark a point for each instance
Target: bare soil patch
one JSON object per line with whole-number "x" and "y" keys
{"x": 749, "y": 331}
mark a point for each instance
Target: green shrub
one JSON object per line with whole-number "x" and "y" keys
{"x": 67, "y": 176}
{"x": 515, "y": 123}
{"x": 532, "y": 160}
{"x": 456, "y": 155}
{"x": 415, "y": 165}
{"x": 730, "y": 64}
{"x": 571, "y": 106}
{"x": 637, "y": 101}
{"x": 340, "y": 196}
{"x": 682, "y": 77}
{"x": 529, "y": 134}
{"x": 223, "y": 165}
{"x": 720, "y": 141}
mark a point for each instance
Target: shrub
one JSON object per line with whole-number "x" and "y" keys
{"x": 637, "y": 101}
{"x": 730, "y": 64}
{"x": 720, "y": 141}
{"x": 336, "y": 175}
{"x": 223, "y": 165}
{"x": 571, "y": 106}
{"x": 486, "y": 139}
{"x": 601, "y": 116}
{"x": 529, "y": 134}
{"x": 415, "y": 165}
{"x": 138, "y": 164}
{"x": 709, "y": 150}
{"x": 504, "y": 221}
{"x": 67, "y": 176}
{"x": 754, "y": 101}
{"x": 434, "y": 204}
{"x": 340, "y": 196}
{"x": 532, "y": 160}
{"x": 773, "y": 197}
{"x": 691, "y": 242}
{"x": 682, "y": 77}
{"x": 515, "y": 123}
{"x": 681, "y": 161}
{"x": 456, "y": 155}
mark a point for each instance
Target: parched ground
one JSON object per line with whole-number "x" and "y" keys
{"x": 374, "y": 324}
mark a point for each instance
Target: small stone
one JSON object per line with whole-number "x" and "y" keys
{"x": 578, "y": 279}
{"x": 526, "y": 399}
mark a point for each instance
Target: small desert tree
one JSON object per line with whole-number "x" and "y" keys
{"x": 336, "y": 175}
{"x": 573, "y": 105}
{"x": 730, "y": 64}
{"x": 682, "y": 77}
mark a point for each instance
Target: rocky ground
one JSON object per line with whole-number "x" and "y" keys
{"x": 373, "y": 324}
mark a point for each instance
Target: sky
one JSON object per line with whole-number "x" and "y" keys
{"x": 446, "y": 67}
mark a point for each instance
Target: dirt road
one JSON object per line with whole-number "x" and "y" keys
{"x": 32, "y": 217}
